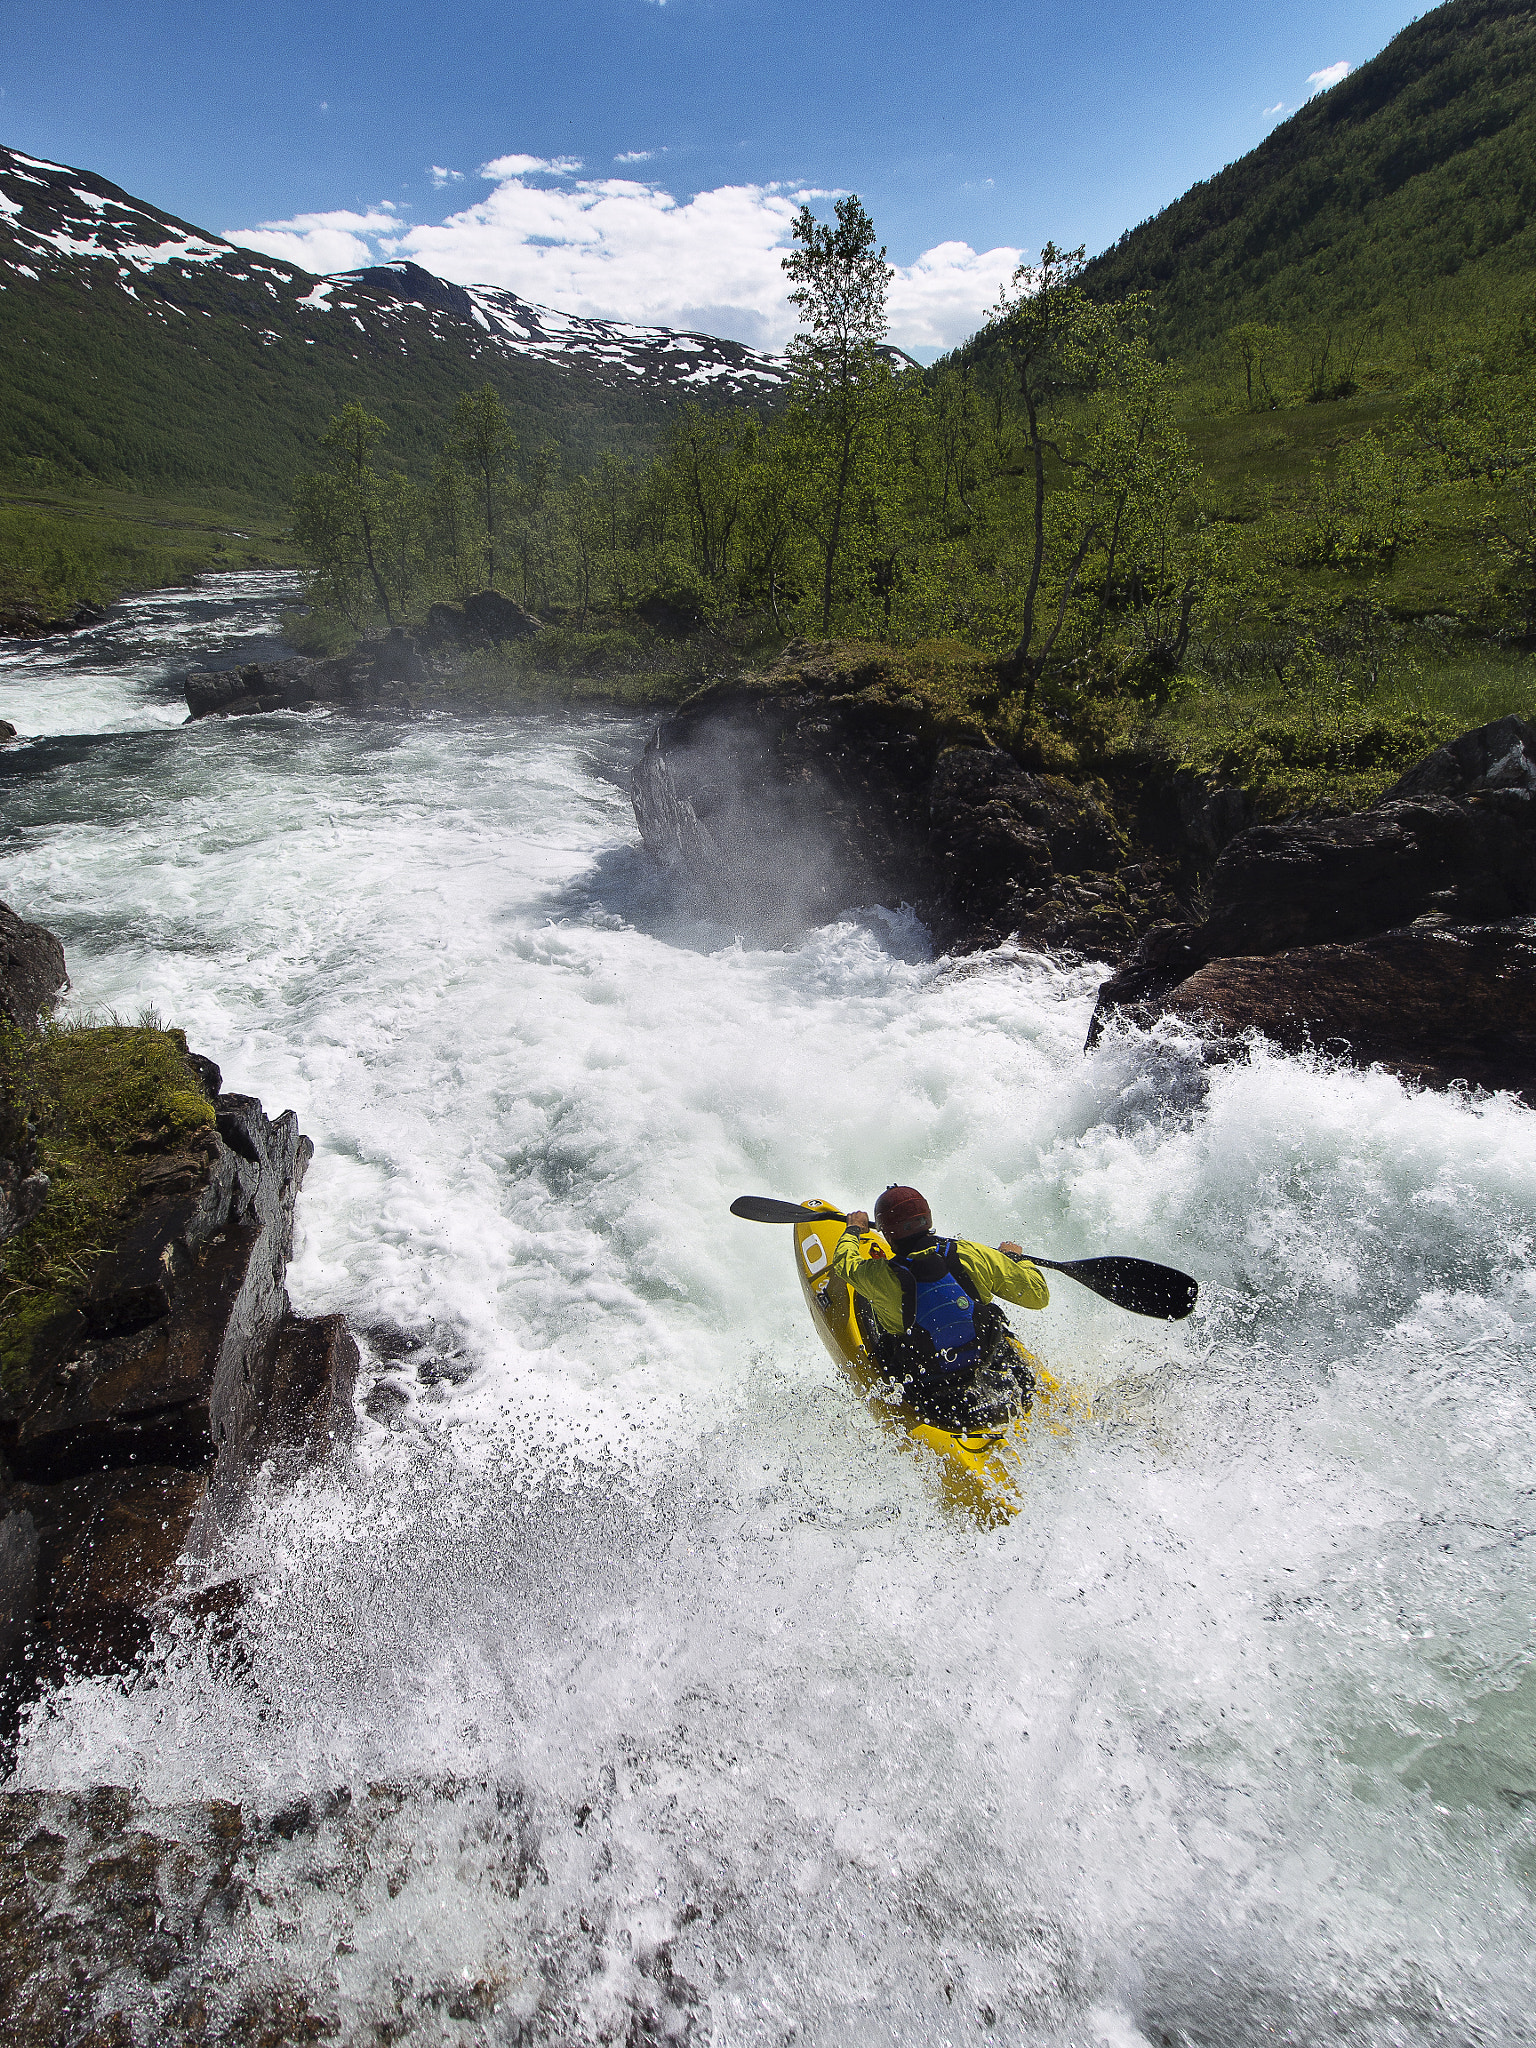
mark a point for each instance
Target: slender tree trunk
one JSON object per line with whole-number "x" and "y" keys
{"x": 373, "y": 569}
{"x": 1019, "y": 666}
{"x": 835, "y": 537}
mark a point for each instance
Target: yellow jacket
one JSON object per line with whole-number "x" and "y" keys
{"x": 993, "y": 1272}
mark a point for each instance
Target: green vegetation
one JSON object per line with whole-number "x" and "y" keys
{"x": 100, "y": 1100}
{"x": 228, "y": 396}
{"x": 1388, "y": 207}
{"x": 60, "y": 548}
{"x": 1302, "y": 595}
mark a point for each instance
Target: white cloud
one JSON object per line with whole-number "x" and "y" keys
{"x": 617, "y": 248}
{"x": 634, "y": 156}
{"x": 321, "y": 241}
{"x": 1277, "y": 108}
{"x": 1329, "y": 75}
{"x": 944, "y": 296}
{"x": 524, "y": 166}
{"x": 440, "y": 175}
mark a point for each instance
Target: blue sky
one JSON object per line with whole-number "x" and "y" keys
{"x": 646, "y": 155}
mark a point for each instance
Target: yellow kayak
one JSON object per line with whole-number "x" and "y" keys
{"x": 972, "y": 1471}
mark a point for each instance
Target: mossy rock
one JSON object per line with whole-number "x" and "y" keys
{"x": 100, "y": 1101}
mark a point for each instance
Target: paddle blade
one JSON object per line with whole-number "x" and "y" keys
{"x": 764, "y": 1209}
{"x": 1137, "y": 1284}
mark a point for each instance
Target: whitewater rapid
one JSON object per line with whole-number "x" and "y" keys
{"x": 703, "y": 1719}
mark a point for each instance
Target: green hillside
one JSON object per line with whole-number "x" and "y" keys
{"x": 1407, "y": 189}
{"x": 97, "y": 390}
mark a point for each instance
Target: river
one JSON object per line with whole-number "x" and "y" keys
{"x": 696, "y": 1716}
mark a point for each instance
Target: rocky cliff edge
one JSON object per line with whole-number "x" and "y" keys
{"x": 142, "y": 1384}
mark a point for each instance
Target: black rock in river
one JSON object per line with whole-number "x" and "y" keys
{"x": 1403, "y": 935}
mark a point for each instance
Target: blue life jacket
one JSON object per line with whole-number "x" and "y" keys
{"x": 938, "y": 1298}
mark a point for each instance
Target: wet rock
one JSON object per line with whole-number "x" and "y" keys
{"x": 1399, "y": 935}
{"x": 313, "y": 1373}
{"x": 22, "y": 621}
{"x": 825, "y": 783}
{"x": 7, "y": 731}
{"x": 173, "y": 1926}
{"x": 131, "y": 1420}
{"x": 32, "y": 971}
{"x": 1472, "y": 858}
{"x": 1434, "y": 1003}
{"x": 1011, "y": 846}
{"x": 783, "y": 808}
{"x": 103, "y": 1547}
{"x": 375, "y": 676}
{"x": 166, "y": 1357}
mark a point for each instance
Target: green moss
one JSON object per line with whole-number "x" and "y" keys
{"x": 99, "y": 1100}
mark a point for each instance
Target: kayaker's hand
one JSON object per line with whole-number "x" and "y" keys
{"x": 1014, "y": 1251}
{"x": 858, "y": 1219}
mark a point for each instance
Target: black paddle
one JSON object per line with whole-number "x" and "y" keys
{"x": 1137, "y": 1284}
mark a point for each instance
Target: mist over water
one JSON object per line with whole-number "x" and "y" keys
{"x": 687, "y": 1711}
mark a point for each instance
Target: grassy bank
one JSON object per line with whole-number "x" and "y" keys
{"x": 63, "y": 547}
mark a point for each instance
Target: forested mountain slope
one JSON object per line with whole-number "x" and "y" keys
{"x": 1414, "y": 176}
{"x": 138, "y": 350}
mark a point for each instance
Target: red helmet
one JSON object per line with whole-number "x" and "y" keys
{"x": 902, "y": 1212}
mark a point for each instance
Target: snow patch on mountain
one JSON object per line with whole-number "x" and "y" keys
{"x": 63, "y": 225}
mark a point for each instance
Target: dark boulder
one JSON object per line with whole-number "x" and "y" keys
{"x": 1433, "y": 1003}
{"x": 824, "y": 784}
{"x": 485, "y": 620}
{"x": 783, "y": 808}
{"x": 132, "y": 1416}
{"x": 1400, "y": 934}
{"x": 309, "y": 1405}
{"x": 132, "y": 1423}
{"x": 1025, "y": 856}
{"x": 497, "y": 618}
{"x": 1497, "y": 756}
{"x": 673, "y": 616}
{"x": 23, "y": 621}
{"x": 1207, "y": 819}
{"x": 397, "y": 660}
{"x": 32, "y": 972}
{"x": 1317, "y": 880}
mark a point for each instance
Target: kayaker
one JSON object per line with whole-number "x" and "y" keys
{"x": 933, "y": 1301}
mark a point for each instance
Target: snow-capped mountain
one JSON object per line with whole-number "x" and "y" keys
{"x": 661, "y": 356}
{"x": 59, "y": 218}
{"x": 117, "y": 318}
